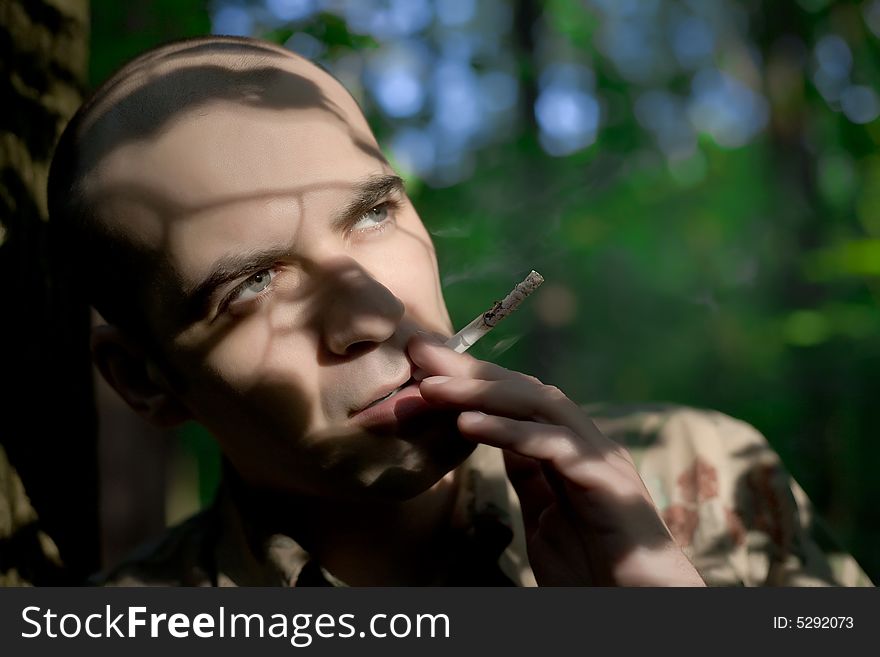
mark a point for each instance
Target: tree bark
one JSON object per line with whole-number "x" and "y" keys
{"x": 47, "y": 416}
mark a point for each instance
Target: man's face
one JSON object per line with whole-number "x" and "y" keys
{"x": 293, "y": 270}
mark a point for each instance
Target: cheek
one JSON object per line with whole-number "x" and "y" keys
{"x": 262, "y": 368}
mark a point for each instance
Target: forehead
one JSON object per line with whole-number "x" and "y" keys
{"x": 179, "y": 130}
{"x": 224, "y": 154}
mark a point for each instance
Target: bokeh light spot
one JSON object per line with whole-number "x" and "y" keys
{"x": 860, "y": 104}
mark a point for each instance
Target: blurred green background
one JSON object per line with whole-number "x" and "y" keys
{"x": 697, "y": 180}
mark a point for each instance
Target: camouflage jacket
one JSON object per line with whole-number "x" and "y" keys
{"x": 721, "y": 490}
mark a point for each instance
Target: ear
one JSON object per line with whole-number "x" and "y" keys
{"x": 128, "y": 370}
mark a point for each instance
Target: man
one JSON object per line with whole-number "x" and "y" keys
{"x": 262, "y": 272}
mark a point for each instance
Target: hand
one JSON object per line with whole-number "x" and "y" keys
{"x": 588, "y": 517}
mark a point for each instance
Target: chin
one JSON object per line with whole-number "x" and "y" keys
{"x": 399, "y": 483}
{"x": 381, "y": 465}
{"x": 419, "y": 455}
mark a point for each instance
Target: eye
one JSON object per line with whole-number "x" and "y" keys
{"x": 373, "y": 218}
{"x": 253, "y": 286}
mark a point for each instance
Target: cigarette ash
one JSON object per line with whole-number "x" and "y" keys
{"x": 491, "y": 316}
{"x": 501, "y": 309}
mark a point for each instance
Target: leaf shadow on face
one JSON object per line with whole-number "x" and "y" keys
{"x": 338, "y": 286}
{"x": 147, "y": 99}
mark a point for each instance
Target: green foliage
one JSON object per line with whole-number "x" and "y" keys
{"x": 198, "y": 443}
{"x": 122, "y": 30}
{"x": 331, "y": 30}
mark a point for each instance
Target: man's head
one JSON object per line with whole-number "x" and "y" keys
{"x": 259, "y": 264}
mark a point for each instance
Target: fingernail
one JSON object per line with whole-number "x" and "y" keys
{"x": 429, "y": 336}
{"x": 434, "y": 380}
{"x": 472, "y": 417}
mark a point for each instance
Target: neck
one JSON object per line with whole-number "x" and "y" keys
{"x": 369, "y": 543}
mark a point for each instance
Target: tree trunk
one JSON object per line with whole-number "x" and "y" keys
{"x": 47, "y": 421}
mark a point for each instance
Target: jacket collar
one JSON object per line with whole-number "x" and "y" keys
{"x": 487, "y": 510}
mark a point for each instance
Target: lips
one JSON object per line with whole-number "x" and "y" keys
{"x": 390, "y": 394}
{"x": 392, "y": 408}
{"x": 384, "y": 395}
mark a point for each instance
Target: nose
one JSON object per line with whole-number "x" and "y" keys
{"x": 361, "y": 312}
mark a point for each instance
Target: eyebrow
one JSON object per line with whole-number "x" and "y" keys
{"x": 366, "y": 196}
{"x": 231, "y": 267}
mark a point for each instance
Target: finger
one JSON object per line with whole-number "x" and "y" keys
{"x": 434, "y": 358}
{"x": 531, "y": 488}
{"x": 535, "y": 440}
{"x": 574, "y": 459}
{"x": 517, "y": 399}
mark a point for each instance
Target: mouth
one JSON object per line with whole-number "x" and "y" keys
{"x": 402, "y": 405}
{"x": 386, "y": 396}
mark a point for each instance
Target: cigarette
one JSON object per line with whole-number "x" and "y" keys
{"x": 485, "y": 322}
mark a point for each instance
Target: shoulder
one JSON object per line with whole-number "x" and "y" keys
{"x": 675, "y": 442}
{"x": 642, "y": 426}
{"x": 726, "y": 497}
{"x": 182, "y": 556}
{"x": 695, "y": 459}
